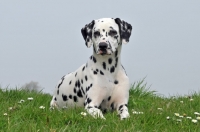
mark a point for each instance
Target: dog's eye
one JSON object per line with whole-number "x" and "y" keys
{"x": 96, "y": 33}
{"x": 112, "y": 32}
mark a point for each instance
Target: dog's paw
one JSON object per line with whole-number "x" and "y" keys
{"x": 53, "y": 105}
{"x": 124, "y": 115}
{"x": 96, "y": 113}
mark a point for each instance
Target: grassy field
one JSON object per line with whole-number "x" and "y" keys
{"x": 148, "y": 113}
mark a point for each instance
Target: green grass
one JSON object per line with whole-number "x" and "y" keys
{"x": 28, "y": 117}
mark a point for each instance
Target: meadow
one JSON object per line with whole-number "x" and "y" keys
{"x": 29, "y": 111}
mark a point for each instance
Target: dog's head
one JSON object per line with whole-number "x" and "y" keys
{"x": 106, "y": 34}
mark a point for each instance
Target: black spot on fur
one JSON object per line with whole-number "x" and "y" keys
{"x": 83, "y": 68}
{"x": 79, "y": 93}
{"x": 112, "y": 106}
{"x": 89, "y": 107}
{"x": 61, "y": 81}
{"x": 109, "y": 98}
{"x": 106, "y": 34}
{"x": 58, "y": 92}
{"x": 116, "y": 61}
{"x": 74, "y": 90}
{"x": 75, "y": 74}
{"x": 112, "y": 69}
{"x": 64, "y": 97}
{"x": 88, "y": 88}
{"x": 103, "y": 30}
{"x": 75, "y": 99}
{"x": 82, "y": 81}
{"x": 104, "y": 65}
{"x": 79, "y": 84}
{"x": 94, "y": 59}
{"x": 116, "y": 82}
{"x": 116, "y": 53}
{"x": 99, "y": 107}
{"x": 126, "y": 105}
{"x": 110, "y": 60}
{"x": 82, "y": 90}
{"x": 95, "y": 72}
{"x": 76, "y": 84}
{"x": 88, "y": 100}
{"x": 101, "y": 21}
{"x": 104, "y": 111}
{"x": 85, "y": 78}
{"x": 101, "y": 72}
{"x": 91, "y": 85}
{"x": 55, "y": 99}
{"x": 70, "y": 82}
{"x": 90, "y": 57}
{"x": 70, "y": 96}
{"x": 95, "y": 106}
{"x": 120, "y": 107}
{"x": 116, "y": 36}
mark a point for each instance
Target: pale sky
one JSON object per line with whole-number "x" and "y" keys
{"x": 41, "y": 41}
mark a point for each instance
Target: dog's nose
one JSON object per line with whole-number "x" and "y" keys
{"x": 103, "y": 45}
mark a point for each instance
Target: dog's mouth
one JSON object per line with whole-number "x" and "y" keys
{"x": 102, "y": 51}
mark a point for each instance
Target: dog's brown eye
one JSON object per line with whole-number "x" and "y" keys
{"x": 112, "y": 32}
{"x": 96, "y": 33}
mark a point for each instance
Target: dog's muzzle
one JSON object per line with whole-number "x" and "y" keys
{"x": 103, "y": 48}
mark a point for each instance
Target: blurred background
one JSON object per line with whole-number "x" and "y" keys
{"x": 40, "y": 41}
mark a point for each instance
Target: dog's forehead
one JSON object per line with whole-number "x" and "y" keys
{"x": 106, "y": 23}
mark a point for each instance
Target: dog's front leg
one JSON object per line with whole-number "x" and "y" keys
{"x": 92, "y": 103}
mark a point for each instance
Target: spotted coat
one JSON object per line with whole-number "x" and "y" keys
{"x": 100, "y": 84}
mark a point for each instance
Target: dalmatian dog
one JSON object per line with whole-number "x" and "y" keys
{"x": 101, "y": 84}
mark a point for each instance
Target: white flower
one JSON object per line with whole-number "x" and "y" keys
{"x": 135, "y": 112}
{"x": 21, "y": 101}
{"x": 30, "y": 98}
{"x": 196, "y": 113}
{"x": 191, "y": 99}
{"x": 194, "y": 121}
{"x": 179, "y": 120}
{"x": 198, "y": 118}
{"x": 181, "y": 116}
{"x": 160, "y": 109}
{"x": 5, "y": 114}
{"x": 83, "y": 113}
{"x": 140, "y": 113}
{"x": 42, "y": 107}
{"x": 167, "y": 118}
{"x": 176, "y": 114}
{"x": 188, "y": 117}
{"x": 10, "y": 108}
{"x": 181, "y": 101}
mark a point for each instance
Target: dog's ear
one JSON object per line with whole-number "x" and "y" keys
{"x": 124, "y": 29}
{"x": 87, "y": 33}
